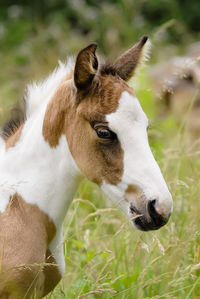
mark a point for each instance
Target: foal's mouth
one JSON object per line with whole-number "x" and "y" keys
{"x": 151, "y": 221}
{"x": 135, "y": 213}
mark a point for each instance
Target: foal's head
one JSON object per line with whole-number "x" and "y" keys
{"x": 106, "y": 130}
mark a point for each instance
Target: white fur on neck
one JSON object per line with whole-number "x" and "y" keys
{"x": 43, "y": 176}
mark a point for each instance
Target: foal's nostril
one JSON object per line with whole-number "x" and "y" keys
{"x": 151, "y": 207}
{"x": 157, "y": 218}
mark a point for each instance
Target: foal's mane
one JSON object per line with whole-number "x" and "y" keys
{"x": 37, "y": 95}
{"x": 17, "y": 118}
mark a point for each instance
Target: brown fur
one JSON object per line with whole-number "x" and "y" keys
{"x": 56, "y": 112}
{"x": 25, "y": 233}
{"x": 12, "y": 140}
{"x": 86, "y": 66}
{"x": 98, "y": 159}
{"x": 73, "y": 116}
{"x": 128, "y": 62}
{"x": 51, "y": 273}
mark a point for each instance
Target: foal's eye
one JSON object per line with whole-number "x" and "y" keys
{"x": 104, "y": 133}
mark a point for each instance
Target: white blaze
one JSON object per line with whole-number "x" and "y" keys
{"x": 130, "y": 123}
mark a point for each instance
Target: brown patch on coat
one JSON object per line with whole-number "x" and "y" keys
{"x": 25, "y": 232}
{"x": 72, "y": 114}
{"x": 98, "y": 159}
{"x": 12, "y": 139}
{"x": 53, "y": 124}
{"x": 134, "y": 193}
{"x": 132, "y": 189}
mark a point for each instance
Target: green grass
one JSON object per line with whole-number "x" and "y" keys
{"x": 105, "y": 256}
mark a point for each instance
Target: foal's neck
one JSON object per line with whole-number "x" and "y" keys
{"x": 45, "y": 176}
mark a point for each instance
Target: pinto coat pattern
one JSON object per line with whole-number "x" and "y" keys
{"x": 83, "y": 120}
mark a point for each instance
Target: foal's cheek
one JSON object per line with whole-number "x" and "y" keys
{"x": 97, "y": 160}
{"x": 110, "y": 163}
{"x": 87, "y": 157}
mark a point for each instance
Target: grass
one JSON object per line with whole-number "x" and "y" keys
{"x": 105, "y": 256}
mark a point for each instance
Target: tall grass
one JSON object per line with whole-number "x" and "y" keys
{"x": 105, "y": 256}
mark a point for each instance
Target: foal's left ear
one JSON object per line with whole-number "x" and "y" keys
{"x": 128, "y": 62}
{"x": 85, "y": 67}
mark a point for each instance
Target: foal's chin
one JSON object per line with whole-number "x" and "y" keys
{"x": 142, "y": 224}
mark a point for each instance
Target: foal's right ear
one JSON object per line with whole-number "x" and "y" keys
{"x": 85, "y": 67}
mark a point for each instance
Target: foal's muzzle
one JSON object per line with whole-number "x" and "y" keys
{"x": 151, "y": 219}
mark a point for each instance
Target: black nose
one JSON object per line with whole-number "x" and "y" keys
{"x": 155, "y": 220}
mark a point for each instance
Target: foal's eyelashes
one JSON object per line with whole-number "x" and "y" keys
{"x": 105, "y": 133}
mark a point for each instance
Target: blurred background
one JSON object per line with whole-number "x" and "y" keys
{"x": 35, "y": 34}
{"x": 105, "y": 257}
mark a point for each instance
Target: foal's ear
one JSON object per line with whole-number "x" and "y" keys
{"x": 128, "y": 62}
{"x": 85, "y": 67}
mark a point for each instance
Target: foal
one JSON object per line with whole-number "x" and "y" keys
{"x": 82, "y": 121}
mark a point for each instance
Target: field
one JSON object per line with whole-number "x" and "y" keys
{"x": 105, "y": 256}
